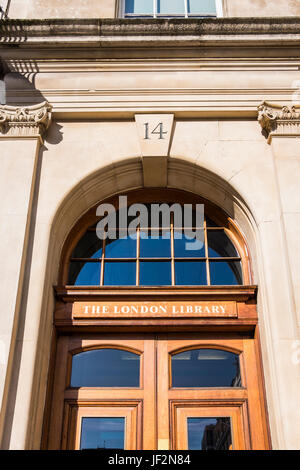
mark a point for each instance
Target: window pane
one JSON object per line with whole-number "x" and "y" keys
{"x": 187, "y": 246}
{"x": 105, "y": 368}
{"x": 190, "y": 273}
{"x": 139, "y": 6}
{"x": 209, "y": 434}
{"x": 122, "y": 247}
{"x": 120, "y": 273}
{"x": 224, "y": 273}
{"x": 219, "y": 245}
{"x": 170, "y": 6}
{"x": 102, "y": 433}
{"x": 84, "y": 274}
{"x": 156, "y": 246}
{"x": 155, "y": 273}
{"x": 90, "y": 246}
{"x": 206, "y": 368}
{"x": 206, "y": 7}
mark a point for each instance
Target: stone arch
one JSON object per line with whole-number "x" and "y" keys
{"x": 128, "y": 176}
{"x": 106, "y": 182}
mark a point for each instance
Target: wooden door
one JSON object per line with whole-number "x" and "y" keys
{"x": 233, "y": 399}
{"x": 128, "y": 405}
{"x": 192, "y": 392}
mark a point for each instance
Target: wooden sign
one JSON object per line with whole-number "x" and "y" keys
{"x": 153, "y": 309}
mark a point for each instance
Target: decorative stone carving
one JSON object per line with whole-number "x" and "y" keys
{"x": 25, "y": 121}
{"x": 277, "y": 120}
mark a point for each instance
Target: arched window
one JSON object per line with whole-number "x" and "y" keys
{"x": 160, "y": 257}
{"x": 205, "y": 368}
{"x": 105, "y": 367}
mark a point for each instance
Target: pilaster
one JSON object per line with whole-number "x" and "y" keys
{"x": 281, "y": 127}
{"x": 21, "y": 136}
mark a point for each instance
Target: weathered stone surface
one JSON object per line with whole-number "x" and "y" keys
{"x": 163, "y": 31}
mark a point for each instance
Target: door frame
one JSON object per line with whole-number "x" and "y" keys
{"x": 235, "y": 410}
{"x": 155, "y": 403}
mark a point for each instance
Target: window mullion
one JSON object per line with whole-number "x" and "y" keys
{"x": 186, "y": 8}
{"x": 206, "y": 254}
{"x": 172, "y": 250}
{"x": 102, "y": 263}
{"x": 154, "y": 8}
{"x": 138, "y": 256}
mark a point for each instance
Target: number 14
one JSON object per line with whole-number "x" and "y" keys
{"x": 158, "y": 130}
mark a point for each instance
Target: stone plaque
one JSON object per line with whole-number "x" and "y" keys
{"x": 154, "y": 131}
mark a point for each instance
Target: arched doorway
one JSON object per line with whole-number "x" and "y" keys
{"x": 157, "y": 345}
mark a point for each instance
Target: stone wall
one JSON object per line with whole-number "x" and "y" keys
{"x": 109, "y": 8}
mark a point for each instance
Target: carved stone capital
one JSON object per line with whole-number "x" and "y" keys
{"x": 276, "y": 120}
{"x": 29, "y": 121}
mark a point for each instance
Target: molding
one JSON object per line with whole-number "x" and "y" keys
{"x": 279, "y": 121}
{"x": 125, "y": 103}
{"x": 30, "y": 67}
{"x": 201, "y": 293}
{"x": 30, "y": 121}
{"x": 155, "y": 32}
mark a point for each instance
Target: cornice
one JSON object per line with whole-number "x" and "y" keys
{"x": 239, "y": 293}
{"x": 30, "y": 121}
{"x": 279, "y": 121}
{"x": 149, "y": 32}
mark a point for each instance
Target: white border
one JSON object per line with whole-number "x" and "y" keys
{"x": 219, "y": 8}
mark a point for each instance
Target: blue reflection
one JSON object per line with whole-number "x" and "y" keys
{"x": 206, "y": 368}
{"x": 120, "y": 273}
{"x": 84, "y": 274}
{"x": 184, "y": 241}
{"x": 105, "y": 368}
{"x": 123, "y": 247}
{"x": 156, "y": 273}
{"x": 155, "y": 244}
{"x": 102, "y": 433}
{"x": 209, "y": 434}
{"x": 139, "y": 6}
{"x": 205, "y": 7}
{"x": 190, "y": 273}
{"x": 173, "y": 7}
{"x": 224, "y": 273}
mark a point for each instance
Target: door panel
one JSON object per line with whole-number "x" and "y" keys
{"x": 201, "y": 427}
{"x": 69, "y": 402}
{"x": 109, "y": 425}
{"x": 213, "y": 386}
{"x": 244, "y": 391}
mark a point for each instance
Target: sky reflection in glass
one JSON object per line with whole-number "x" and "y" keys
{"x": 205, "y": 368}
{"x": 105, "y": 368}
{"x": 102, "y": 433}
{"x": 84, "y": 273}
{"x": 209, "y": 433}
{"x": 156, "y": 273}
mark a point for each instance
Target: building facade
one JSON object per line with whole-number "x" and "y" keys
{"x": 138, "y": 342}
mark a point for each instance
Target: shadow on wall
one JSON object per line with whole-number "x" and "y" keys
{"x": 19, "y": 79}
{"x": 12, "y": 31}
{"x": 17, "y": 88}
